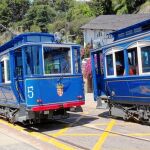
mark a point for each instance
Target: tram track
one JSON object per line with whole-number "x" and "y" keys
{"x": 33, "y": 129}
{"x": 30, "y": 129}
{"x": 103, "y": 130}
{"x": 61, "y": 140}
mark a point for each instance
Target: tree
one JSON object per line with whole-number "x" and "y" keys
{"x": 5, "y": 14}
{"x": 39, "y": 15}
{"x": 132, "y": 5}
{"x": 100, "y": 7}
{"x": 126, "y": 6}
{"x": 120, "y": 7}
{"x": 18, "y": 8}
{"x": 63, "y": 5}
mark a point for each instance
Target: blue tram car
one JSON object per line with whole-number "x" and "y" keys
{"x": 121, "y": 73}
{"x": 39, "y": 78}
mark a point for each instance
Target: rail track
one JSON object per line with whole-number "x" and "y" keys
{"x": 35, "y": 128}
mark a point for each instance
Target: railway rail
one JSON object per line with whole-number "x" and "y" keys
{"x": 35, "y": 128}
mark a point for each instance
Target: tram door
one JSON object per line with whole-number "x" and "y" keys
{"x": 98, "y": 73}
{"x": 18, "y": 74}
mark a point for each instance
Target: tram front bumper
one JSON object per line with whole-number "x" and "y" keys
{"x": 58, "y": 106}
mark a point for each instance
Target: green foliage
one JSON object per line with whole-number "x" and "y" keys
{"x": 35, "y": 28}
{"x": 63, "y": 5}
{"x": 62, "y": 16}
{"x": 126, "y": 6}
{"x": 5, "y": 14}
{"x": 132, "y": 5}
{"x": 79, "y": 9}
{"x": 101, "y": 7}
{"x": 18, "y": 8}
{"x": 39, "y": 15}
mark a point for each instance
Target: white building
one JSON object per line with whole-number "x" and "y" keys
{"x": 96, "y": 32}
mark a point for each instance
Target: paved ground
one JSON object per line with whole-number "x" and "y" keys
{"x": 84, "y": 130}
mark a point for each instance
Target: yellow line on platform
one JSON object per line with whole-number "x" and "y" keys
{"x": 104, "y": 124}
{"x": 104, "y": 136}
{"x": 40, "y": 136}
{"x": 62, "y": 131}
{"x": 80, "y": 134}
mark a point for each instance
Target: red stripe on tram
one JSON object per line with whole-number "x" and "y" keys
{"x": 58, "y": 106}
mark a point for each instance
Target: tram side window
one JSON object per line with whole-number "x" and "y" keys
{"x": 5, "y": 70}
{"x": 132, "y": 61}
{"x": 8, "y": 70}
{"x": 119, "y": 63}
{"x": 145, "y": 56}
{"x": 77, "y": 61}
{"x": 2, "y": 72}
{"x": 32, "y": 60}
{"x": 109, "y": 64}
{"x": 18, "y": 63}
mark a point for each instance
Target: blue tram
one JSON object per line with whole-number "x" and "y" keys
{"x": 39, "y": 78}
{"x": 121, "y": 73}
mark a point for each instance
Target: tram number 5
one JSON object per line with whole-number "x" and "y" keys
{"x": 30, "y": 92}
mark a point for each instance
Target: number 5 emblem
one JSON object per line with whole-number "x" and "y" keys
{"x": 30, "y": 92}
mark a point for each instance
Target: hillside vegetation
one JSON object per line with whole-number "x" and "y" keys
{"x": 62, "y": 17}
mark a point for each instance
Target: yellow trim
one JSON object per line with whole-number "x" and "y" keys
{"x": 40, "y": 136}
{"x": 104, "y": 136}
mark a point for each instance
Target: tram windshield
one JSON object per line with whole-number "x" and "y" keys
{"x": 57, "y": 60}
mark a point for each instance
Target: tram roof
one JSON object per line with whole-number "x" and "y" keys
{"x": 20, "y": 37}
{"x": 132, "y": 30}
{"x": 144, "y": 29}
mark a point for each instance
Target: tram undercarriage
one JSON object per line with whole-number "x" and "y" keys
{"x": 140, "y": 113}
{"x": 24, "y": 116}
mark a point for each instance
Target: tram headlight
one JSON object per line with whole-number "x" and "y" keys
{"x": 80, "y": 97}
{"x": 39, "y": 101}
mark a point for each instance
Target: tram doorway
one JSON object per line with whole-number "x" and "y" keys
{"x": 98, "y": 74}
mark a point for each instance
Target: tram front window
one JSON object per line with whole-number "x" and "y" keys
{"x": 57, "y": 60}
{"x": 32, "y": 60}
{"x": 145, "y": 56}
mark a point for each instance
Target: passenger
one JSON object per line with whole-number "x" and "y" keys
{"x": 131, "y": 70}
{"x": 119, "y": 68}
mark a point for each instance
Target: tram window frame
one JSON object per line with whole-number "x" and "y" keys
{"x": 133, "y": 61}
{"x": 77, "y": 61}
{"x": 119, "y": 63}
{"x": 112, "y": 67}
{"x": 5, "y": 72}
{"x": 69, "y": 59}
{"x": 18, "y": 63}
{"x": 32, "y": 65}
{"x": 141, "y": 56}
